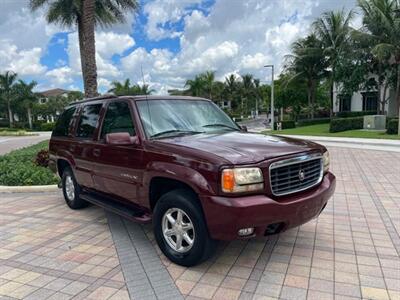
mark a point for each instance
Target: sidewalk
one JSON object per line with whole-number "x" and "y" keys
{"x": 357, "y": 143}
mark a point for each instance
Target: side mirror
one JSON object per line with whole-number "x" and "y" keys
{"x": 244, "y": 128}
{"x": 121, "y": 138}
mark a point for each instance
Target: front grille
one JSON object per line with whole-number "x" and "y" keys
{"x": 295, "y": 174}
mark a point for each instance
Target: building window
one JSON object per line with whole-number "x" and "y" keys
{"x": 345, "y": 102}
{"x": 370, "y": 101}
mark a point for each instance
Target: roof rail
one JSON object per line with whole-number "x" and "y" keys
{"x": 105, "y": 96}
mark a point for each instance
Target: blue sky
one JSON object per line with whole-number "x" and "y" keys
{"x": 170, "y": 40}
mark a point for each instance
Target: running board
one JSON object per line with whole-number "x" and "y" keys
{"x": 116, "y": 207}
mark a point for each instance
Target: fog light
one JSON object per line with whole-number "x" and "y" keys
{"x": 246, "y": 231}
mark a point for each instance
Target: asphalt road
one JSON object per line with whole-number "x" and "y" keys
{"x": 256, "y": 125}
{"x": 8, "y": 143}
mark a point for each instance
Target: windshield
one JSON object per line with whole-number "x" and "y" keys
{"x": 166, "y": 118}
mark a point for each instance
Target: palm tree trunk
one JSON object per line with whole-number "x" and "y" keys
{"x": 29, "y": 111}
{"x": 331, "y": 92}
{"x": 87, "y": 48}
{"x": 10, "y": 114}
{"x": 313, "y": 91}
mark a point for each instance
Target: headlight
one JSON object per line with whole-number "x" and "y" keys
{"x": 326, "y": 161}
{"x": 240, "y": 180}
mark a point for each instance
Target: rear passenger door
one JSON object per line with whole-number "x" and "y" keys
{"x": 119, "y": 168}
{"x": 82, "y": 147}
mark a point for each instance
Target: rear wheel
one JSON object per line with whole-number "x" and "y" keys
{"x": 180, "y": 229}
{"x": 71, "y": 190}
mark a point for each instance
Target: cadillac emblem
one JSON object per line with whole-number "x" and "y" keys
{"x": 302, "y": 175}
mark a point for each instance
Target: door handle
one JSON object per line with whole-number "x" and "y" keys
{"x": 96, "y": 152}
{"x": 72, "y": 148}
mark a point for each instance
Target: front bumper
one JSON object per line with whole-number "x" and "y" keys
{"x": 226, "y": 215}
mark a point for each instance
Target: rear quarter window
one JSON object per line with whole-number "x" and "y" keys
{"x": 64, "y": 122}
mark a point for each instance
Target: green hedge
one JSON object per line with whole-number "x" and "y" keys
{"x": 19, "y": 168}
{"x": 392, "y": 126}
{"x": 343, "y": 124}
{"x": 353, "y": 114}
{"x": 47, "y": 126}
{"x": 285, "y": 124}
{"x": 308, "y": 122}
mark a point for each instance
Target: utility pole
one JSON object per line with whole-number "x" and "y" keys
{"x": 272, "y": 95}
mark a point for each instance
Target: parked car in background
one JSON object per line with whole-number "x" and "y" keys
{"x": 184, "y": 164}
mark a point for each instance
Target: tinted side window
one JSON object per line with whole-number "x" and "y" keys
{"x": 88, "y": 120}
{"x": 118, "y": 119}
{"x": 64, "y": 122}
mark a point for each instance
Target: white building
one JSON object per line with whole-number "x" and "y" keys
{"x": 364, "y": 100}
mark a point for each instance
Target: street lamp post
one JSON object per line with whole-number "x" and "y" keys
{"x": 272, "y": 95}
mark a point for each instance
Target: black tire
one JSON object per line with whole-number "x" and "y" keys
{"x": 75, "y": 202}
{"x": 203, "y": 246}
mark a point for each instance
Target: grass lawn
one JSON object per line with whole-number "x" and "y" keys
{"x": 323, "y": 130}
{"x": 19, "y": 168}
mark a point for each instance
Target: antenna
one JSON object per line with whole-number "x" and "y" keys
{"x": 147, "y": 100}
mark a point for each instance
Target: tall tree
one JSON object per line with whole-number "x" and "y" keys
{"x": 308, "y": 62}
{"x": 247, "y": 90}
{"x": 25, "y": 95}
{"x": 86, "y": 15}
{"x": 381, "y": 24}
{"x": 334, "y": 31}
{"x": 7, "y": 81}
{"x": 119, "y": 88}
{"x": 195, "y": 86}
{"x": 208, "y": 82}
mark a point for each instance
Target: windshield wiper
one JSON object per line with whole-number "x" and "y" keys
{"x": 221, "y": 125}
{"x": 180, "y": 132}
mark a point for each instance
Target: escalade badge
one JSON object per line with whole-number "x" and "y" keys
{"x": 302, "y": 175}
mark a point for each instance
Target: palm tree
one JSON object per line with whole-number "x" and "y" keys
{"x": 231, "y": 86}
{"x": 381, "y": 27}
{"x": 195, "y": 86}
{"x": 7, "y": 81}
{"x": 86, "y": 15}
{"x": 247, "y": 88}
{"x": 145, "y": 90}
{"x": 119, "y": 88}
{"x": 334, "y": 31}
{"x": 308, "y": 62}
{"x": 208, "y": 81}
{"x": 25, "y": 94}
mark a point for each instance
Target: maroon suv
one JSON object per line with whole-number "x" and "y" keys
{"x": 183, "y": 163}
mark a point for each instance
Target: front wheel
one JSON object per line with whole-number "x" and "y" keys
{"x": 180, "y": 229}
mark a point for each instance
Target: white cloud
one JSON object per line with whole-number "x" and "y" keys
{"x": 60, "y": 76}
{"x": 110, "y": 43}
{"x": 161, "y": 13}
{"x": 255, "y": 61}
{"x": 23, "y": 62}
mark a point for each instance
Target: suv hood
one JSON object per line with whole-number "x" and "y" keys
{"x": 242, "y": 147}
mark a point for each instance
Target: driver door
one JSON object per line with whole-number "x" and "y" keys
{"x": 119, "y": 168}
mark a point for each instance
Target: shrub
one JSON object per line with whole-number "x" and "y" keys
{"x": 353, "y": 114}
{"x": 307, "y": 122}
{"x": 47, "y": 126}
{"x": 42, "y": 158}
{"x": 285, "y": 124}
{"x": 392, "y": 126}
{"x": 18, "y": 168}
{"x": 38, "y": 124}
{"x": 343, "y": 124}
{"x": 4, "y": 123}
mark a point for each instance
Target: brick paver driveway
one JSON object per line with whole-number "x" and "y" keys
{"x": 350, "y": 252}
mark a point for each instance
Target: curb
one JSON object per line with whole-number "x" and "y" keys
{"x": 29, "y": 189}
